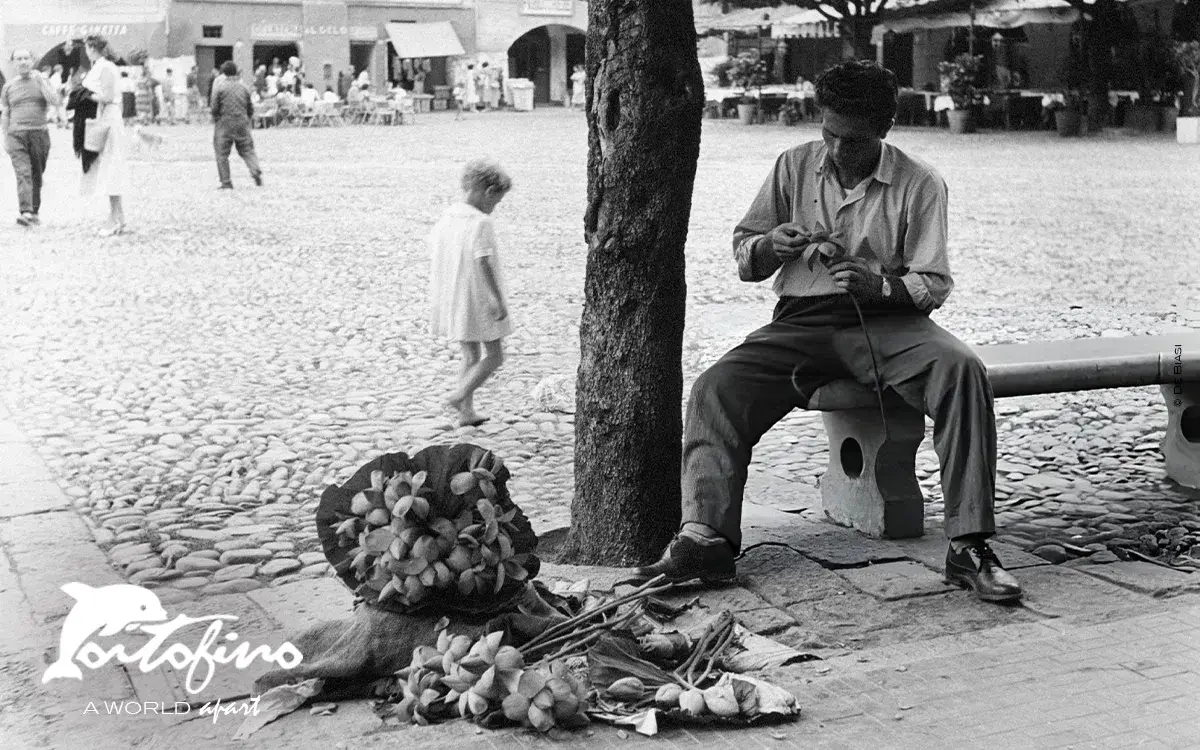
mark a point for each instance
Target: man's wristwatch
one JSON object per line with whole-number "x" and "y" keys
{"x": 887, "y": 288}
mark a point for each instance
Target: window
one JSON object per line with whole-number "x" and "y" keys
{"x": 212, "y": 32}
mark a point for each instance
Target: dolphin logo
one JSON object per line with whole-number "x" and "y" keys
{"x": 108, "y": 609}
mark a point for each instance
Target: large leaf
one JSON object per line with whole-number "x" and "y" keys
{"x": 615, "y": 657}
{"x": 379, "y": 540}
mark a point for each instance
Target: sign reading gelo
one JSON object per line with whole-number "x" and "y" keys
{"x": 548, "y": 7}
{"x": 293, "y": 30}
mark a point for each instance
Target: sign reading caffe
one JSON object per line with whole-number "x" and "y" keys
{"x": 78, "y": 30}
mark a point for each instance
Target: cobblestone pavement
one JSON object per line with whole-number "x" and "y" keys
{"x": 195, "y": 385}
{"x": 1097, "y": 656}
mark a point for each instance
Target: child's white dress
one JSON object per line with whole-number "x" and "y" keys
{"x": 460, "y": 303}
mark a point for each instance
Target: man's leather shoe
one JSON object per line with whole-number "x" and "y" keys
{"x": 977, "y": 568}
{"x": 686, "y": 559}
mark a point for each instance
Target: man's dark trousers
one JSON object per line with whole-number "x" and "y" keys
{"x": 225, "y": 138}
{"x": 812, "y": 342}
{"x": 29, "y": 151}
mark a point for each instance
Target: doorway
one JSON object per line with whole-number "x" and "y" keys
{"x": 208, "y": 60}
{"x": 898, "y": 56}
{"x": 361, "y": 54}
{"x": 267, "y": 52}
{"x": 529, "y": 57}
{"x": 576, "y": 44}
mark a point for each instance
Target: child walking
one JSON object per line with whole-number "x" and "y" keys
{"x": 466, "y": 290}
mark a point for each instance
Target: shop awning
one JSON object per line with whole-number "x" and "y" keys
{"x": 425, "y": 39}
{"x": 39, "y": 26}
{"x": 748, "y": 20}
{"x": 809, "y": 24}
{"x": 999, "y": 14}
{"x": 123, "y": 38}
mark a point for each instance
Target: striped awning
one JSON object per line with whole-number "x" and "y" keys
{"x": 809, "y": 24}
{"x": 997, "y": 14}
{"x": 749, "y": 20}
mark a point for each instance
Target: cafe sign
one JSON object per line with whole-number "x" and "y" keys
{"x": 548, "y": 7}
{"x": 290, "y": 31}
{"x": 79, "y": 30}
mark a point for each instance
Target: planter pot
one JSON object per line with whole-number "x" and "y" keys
{"x": 1169, "y": 116}
{"x": 960, "y": 121}
{"x": 747, "y": 113}
{"x": 1143, "y": 118}
{"x": 1187, "y": 130}
{"x": 1070, "y": 122}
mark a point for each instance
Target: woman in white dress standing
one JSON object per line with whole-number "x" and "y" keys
{"x": 109, "y": 173}
{"x": 578, "y": 88}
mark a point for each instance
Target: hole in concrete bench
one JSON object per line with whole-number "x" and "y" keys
{"x": 852, "y": 458}
{"x": 1189, "y": 424}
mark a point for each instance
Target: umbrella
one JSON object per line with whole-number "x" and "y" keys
{"x": 69, "y": 54}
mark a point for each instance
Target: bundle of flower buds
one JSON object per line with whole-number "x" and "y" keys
{"x": 483, "y": 680}
{"x": 403, "y": 549}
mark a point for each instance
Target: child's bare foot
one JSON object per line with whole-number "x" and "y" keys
{"x": 471, "y": 420}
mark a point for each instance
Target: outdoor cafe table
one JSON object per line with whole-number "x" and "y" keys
{"x": 721, "y": 94}
{"x": 1009, "y": 100}
{"x": 422, "y": 102}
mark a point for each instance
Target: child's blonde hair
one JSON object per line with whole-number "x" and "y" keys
{"x": 484, "y": 173}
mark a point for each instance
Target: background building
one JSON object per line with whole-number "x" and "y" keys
{"x": 541, "y": 40}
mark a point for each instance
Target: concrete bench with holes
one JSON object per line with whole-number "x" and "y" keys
{"x": 871, "y": 483}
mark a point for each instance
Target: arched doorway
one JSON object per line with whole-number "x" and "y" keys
{"x": 546, "y": 55}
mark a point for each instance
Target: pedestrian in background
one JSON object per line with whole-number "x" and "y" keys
{"x": 25, "y": 105}
{"x": 233, "y": 113}
{"x": 467, "y": 297}
{"x": 167, "y": 87}
{"x": 192, "y": 81}
{"x": 578, "y": 88}
{"x": 108, "y": 172}
{"x": 62, "y": 87}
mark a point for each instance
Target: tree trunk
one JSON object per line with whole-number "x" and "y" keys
{"x": 856, "y": 37}
{"x": 645, "y": 98}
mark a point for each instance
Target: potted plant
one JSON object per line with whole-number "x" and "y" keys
{"x": 1187, "y": 60}
{"x": 958, "y": 81}
{"x": 747, "y": 72}
{"x": 1068, "y": 108}
{"x": 1148, "y": 113}
{"x": 1069, "y": 117}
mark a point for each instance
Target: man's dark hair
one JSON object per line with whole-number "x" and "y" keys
{"x": 229, "y": 68}
{"x": 859, "y": 88}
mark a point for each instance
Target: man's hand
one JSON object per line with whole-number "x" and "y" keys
{"x": 499, "y": 312}
{"x": 788, "y": 241}
{"x": 853, "y": 276}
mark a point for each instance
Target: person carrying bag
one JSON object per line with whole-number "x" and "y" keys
{"x": 95, "y": 131}
{"x": 104, "y": 136}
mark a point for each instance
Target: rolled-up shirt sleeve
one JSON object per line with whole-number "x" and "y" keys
{"x": 925, "y": 253}
{"x": 771, "y": 207}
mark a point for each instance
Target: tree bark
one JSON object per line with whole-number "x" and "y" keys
{"x": 645, "y": 98}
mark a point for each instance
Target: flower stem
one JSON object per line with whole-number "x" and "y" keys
{"x": 647, "y": 589}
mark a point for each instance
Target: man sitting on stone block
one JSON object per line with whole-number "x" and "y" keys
{"x": 885, "y": 212}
